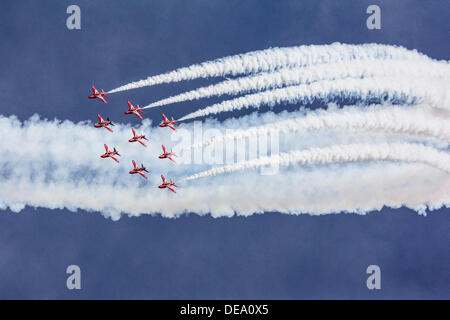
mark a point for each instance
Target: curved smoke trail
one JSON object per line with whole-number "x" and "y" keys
{"x": 295, "y": 76}
{"x": 417, "y": 120}
{"x": 390, "y": 89}
{"x": 404, "y": 152}
{"x": 275, "y": 58}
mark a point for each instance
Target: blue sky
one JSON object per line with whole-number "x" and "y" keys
{"x": 48, "y": 69}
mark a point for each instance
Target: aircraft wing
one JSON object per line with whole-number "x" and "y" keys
{"x": 134, "y": 132}
{"x": 171, "y": 189}
{"x": 134, "y": 164}
{"x": 99, "y": 118}
{"x": 164, "y": 148}
{"x": 137, "y": 113}
{"x": 115, "y": 159}
{"x": 163, "y": 179}
{"x": 143, "y": 175}
{"x": 172, "y": 127}
{"x": 165, "y": 118}
{"x": 172, "y": 159}
{"x": 108, "y": 129}
{"x": 142, "y": 143}
{"x": 106, "y": 147}
{"x": 130, "y": 105}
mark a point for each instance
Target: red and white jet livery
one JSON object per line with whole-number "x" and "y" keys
{"x": 110, "y": 154}
{"x": 138, "y": 170}
{"x": 168, "y": 123}
{"x": 167, "y": 154}
{"x": 167, "y": 184}
{"x": 133, "y": 110}
{"x": 103, "y": 123}
{"x": 99, "y": 95}
{"x": 138, "y": 138}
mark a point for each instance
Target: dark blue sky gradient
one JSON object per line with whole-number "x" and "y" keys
{"x": 48, "y": 69}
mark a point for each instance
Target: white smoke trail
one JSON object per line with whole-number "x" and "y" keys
{"x": 389, "y": 89}
{"x": 53, "y": 164}
{"x": 404, "y": 152}
{"x": 416, "y": 120}
{"x": 295, "y": 76}
{"x": 276, "y": 58}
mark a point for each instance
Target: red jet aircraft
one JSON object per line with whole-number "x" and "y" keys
{"x": 103, "y": 123}
{"x": 99, "y": 95}
{"x": 168, "y": 123}
{"x": 110, "y": 154}
{"x": 138, "y": 138}
{"x": 138, "y": 170}
{"x": 133, "y": 110}
{"x": 167, "y": 154}
{"x": 167, "y": 184}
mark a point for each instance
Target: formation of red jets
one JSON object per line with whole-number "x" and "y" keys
{"x": 101, "y": 95}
